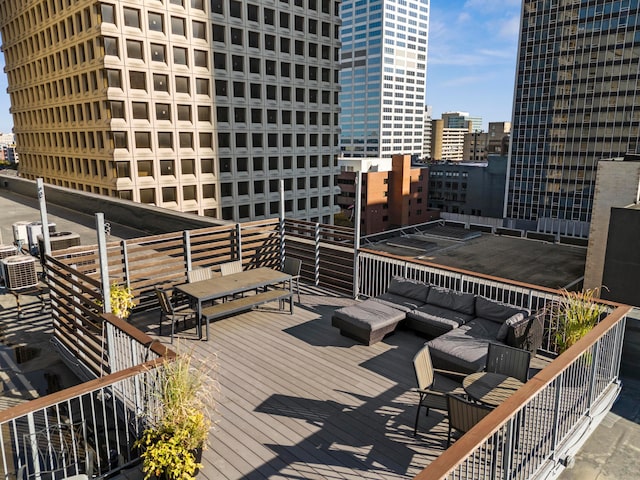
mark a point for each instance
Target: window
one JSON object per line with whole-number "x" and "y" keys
{"x": 147, "y": 195}
{"x": 156, "y": 22}
{"x": 167, "y": 167}
{"x": 158, "y": 53}
{"x": 184, "y": 113}
{"x": 219, "y": 61}
{"x": 222, "y": 114}
{"x": 221, "y": 88}
{"x": 131, "y": 17}
{"x": 117, "y": 109}
{"x": 177, "y": 26}
{"x": 204, "y": 113}
{"x": 140, "y": 110}
{"x": 238, "y": 89}
{"x": 206, "y": 165}
{"x": 254, "y": 39}
{"x": 163, "y": 111}
{"x": 188, "y": 166}
{"x": 108, "y": 13}
{"x": 182, "y": 85}
{"x": 236, "y": 36}
{"x": 199, "y": 30}
{"x": 143, "y": 140}
{"x": 189, "y": 192}
{"x": 186, "y": 140}
{"x": 205, "y": 140}
{"x": 202, "y": 86}
{"x": 134, "y": 49}
{"x": 114, "y": 78}
{"x": 120, "y": 140}
{"x": 160, "y": 82}
{"x": 200, "y": 58}
{"x": 180, "y": 56}
{"x": 138, "y": 80}
{"x": 169, "y": 195}
{"x": 165, "y": 140}
{"x": 218, "y": 33}
{"x": 111, "y": 46}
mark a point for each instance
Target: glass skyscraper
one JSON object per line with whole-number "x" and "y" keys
{"x": 576, "y": 102}
{"x": 383, "y": 77}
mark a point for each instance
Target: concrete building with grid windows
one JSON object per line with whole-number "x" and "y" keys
{"x": 194, "y": 105}
{"x": 383, "y": 77}
{"x": 576, "y": 102}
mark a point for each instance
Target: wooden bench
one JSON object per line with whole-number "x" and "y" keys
{"x": 236, "y": 305}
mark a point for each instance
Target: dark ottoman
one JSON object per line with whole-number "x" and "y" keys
{"x": 367, "y": 322}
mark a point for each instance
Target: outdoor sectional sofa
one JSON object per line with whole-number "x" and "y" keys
{"x": 461, "y": 325}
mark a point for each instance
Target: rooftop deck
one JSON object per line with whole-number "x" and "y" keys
{"x": 298, "y": 400}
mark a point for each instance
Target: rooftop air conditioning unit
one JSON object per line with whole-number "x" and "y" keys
{"x": 34, "y": 229}
{"x": 60, "y": 240}
{"x": 20, "y": 233}
{"x": 19, "y": 271}
{"x": 6, "y": 251}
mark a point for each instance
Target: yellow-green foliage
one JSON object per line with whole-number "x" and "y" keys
{"x": 121, "y": 300}
{"x": 183, "y": 424}
{"x": 576, "y": 313}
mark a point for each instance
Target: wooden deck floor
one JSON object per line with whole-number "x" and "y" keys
{"x": 297, "y": 400}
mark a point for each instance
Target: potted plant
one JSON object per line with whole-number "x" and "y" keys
{"x": 576, "y": 313}
{"x": 122, "y": 300}
{"x": 173, "y": 442}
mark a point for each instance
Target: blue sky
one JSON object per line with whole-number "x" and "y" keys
{"x": 472, "y": 57}
{"x": 470, "y": 65}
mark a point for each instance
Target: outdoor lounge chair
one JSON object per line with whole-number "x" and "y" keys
{"x": 426, "y": 377}
{"x": 510, "y": 361}
{"x": 174, "y": 315}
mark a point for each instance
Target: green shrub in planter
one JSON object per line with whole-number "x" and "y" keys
{"x": 576, "y": 314}
{"x": 179, "y": 432}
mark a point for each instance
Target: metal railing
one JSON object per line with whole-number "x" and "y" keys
{"x": 539, "y": 428}
{"x": 88, "y": 429}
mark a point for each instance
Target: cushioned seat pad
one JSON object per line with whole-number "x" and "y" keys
{"x": 405, "y": 304}
{"x": 464, "y": 349}
{"x": 369, "y": 315}
{"x": 435, "y": 321}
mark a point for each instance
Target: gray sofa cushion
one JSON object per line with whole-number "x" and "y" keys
{"x": 405, "y": 287}
{"x": 464, "y": 349}
{"x": 509, "y": 322}
{"x": 434, "y": 321}
{"x": 405, "y": 304}
{"x": 461, "y": 302}
{"x": 495, "y": 311}
{"x": 367, "y": 315}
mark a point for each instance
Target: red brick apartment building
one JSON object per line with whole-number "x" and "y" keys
{"x": 390, "y": 199}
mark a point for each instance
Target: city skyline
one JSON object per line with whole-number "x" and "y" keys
{"x": 464, "y": 36}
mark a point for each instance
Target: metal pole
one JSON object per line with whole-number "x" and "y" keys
{"x": 356, "y": 235}
{"x": 282, "y": 245}
{"x": 102, "y": 260}
{"x": 43, "y": 217}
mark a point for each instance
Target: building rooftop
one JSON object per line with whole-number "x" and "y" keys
{"x": 536, "y": 262}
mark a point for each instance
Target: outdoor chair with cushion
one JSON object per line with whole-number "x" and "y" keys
{"x": 198, "y": 274}
{"x": 463, "y": 414}
{"x": 292, "y": 267}
{"x": 510, "y": 361}
{"x": 169, "y": 311}
{"x": 426, "y": 378}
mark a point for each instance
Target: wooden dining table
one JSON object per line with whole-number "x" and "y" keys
{"x": 229, "y": 286}
{"x": 490, "y": 388}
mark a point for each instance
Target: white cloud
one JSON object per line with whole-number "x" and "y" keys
{"x": 510, "y": 28}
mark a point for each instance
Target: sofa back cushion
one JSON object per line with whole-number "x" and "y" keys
{"x": 495, "y": 311}
{"x": 501, "y": 336}
{"x": 458, "y": 301}
{"x": 409, "y": 288}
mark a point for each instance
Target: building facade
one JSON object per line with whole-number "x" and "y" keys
{"x": 447, "y": 144}
{"x": 390, "y": 199}
{"x": 383, "y": 77}
{"x": 576, "y": 102}
{"x": 475, "y": 189}
{"x": 428, "y": 125}
{"x": 193, "y": 105}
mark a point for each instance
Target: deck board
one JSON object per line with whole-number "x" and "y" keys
{"x": 297, "y": 400}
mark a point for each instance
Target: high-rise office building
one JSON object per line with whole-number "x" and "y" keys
{"x": 576, "y": 102}
{"x": 195, "y": 105}
{"x": 383, "y": 77}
